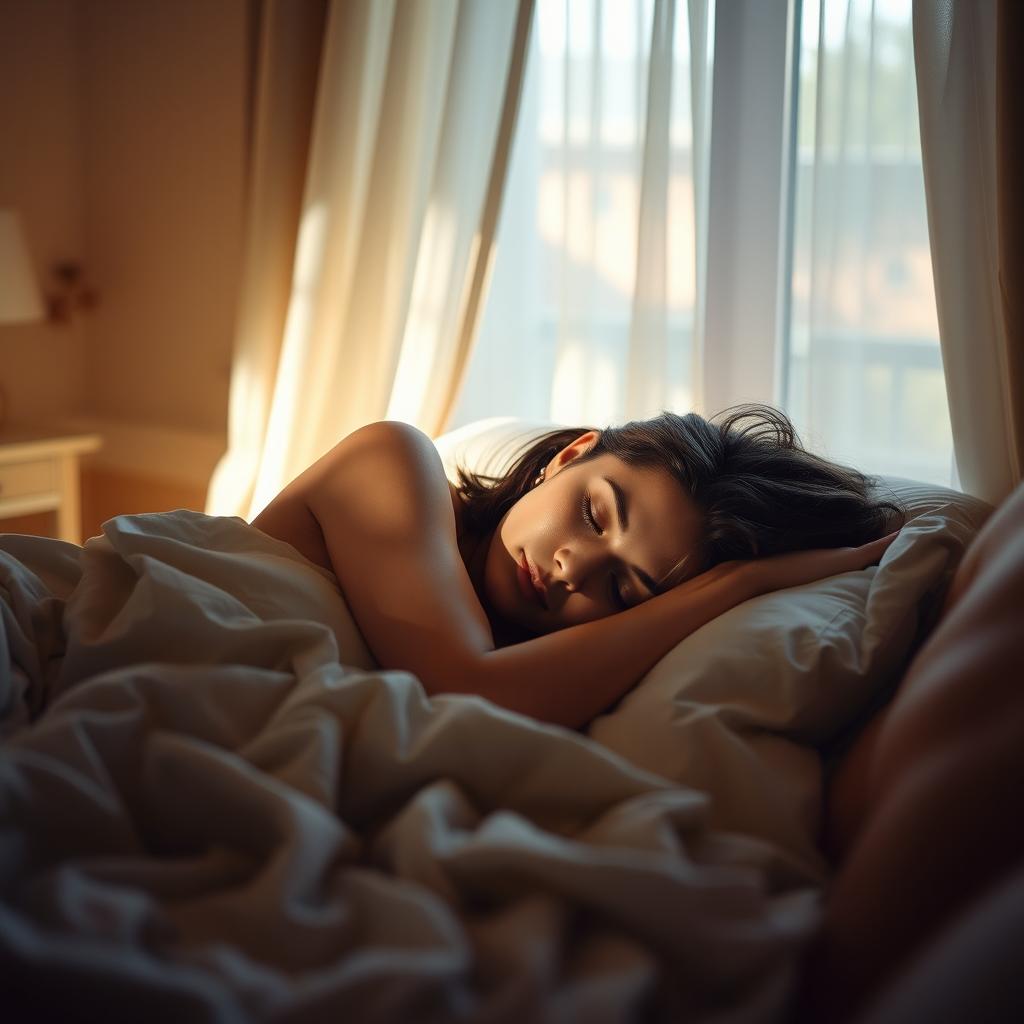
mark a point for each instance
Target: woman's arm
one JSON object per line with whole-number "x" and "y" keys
{"x": 381, "y": 500}
{"x": 572, "y": 675}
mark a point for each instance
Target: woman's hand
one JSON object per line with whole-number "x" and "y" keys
{"x": 777, "y": 572}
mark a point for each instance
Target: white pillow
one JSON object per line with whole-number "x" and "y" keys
{"x": 741, "y": 707}
{"x": 487, "y": 446}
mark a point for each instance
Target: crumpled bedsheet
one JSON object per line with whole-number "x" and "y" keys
{"x": 213, "y": 808}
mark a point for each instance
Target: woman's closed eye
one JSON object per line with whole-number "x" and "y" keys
{"x": 587, "y": 509}
{"x": 617, "y": 597}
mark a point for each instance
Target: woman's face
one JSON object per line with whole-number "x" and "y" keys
{"x": 593, "y": 539}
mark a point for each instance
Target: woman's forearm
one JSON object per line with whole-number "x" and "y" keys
{"x": 569, "y": 676}
{"x": 572, "y": 675}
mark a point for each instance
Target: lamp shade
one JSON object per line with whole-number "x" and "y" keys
{"x": 19, "y": 293}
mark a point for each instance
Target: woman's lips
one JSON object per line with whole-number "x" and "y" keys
{"x": 526, "y": 574}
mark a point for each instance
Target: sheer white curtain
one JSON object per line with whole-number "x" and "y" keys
{"x": 956, "y": 74}
{"x": 594, "y": 304}
{"x": 370, "y": 229}
{"x": 865, "y": 374}
{"x": 602, "y": 284}
{"x": 596, "y": 310}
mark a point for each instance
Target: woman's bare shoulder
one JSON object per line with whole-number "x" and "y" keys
{"x": 403, "y": 457}
{"x": 388, "y": 469}
{"x": 385, "y": 518}
{"x": 389, "y": 440}
{"x": 389, "y": 477}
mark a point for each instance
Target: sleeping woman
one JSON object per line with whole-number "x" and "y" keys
{"x": 500, "y": 586}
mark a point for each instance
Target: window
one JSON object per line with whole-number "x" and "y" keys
{"x": 555, "y": 335}
{"x": 783, "y": 245}
{"x": 864, "y": 370}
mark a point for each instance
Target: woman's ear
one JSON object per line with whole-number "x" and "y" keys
{"x": 572, "y": 451}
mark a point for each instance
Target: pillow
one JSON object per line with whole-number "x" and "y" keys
{"x": 742, "y": 707}
{"x": 487, "y": 446}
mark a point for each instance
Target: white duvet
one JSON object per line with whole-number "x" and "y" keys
{"x": 214, "y": 808}
{"x": 218, "y": 812}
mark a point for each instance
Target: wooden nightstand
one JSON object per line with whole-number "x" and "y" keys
{"x": 39, "y": 473}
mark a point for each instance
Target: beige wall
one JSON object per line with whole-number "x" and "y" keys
{"x": 164, "y": 115}
{"x": 42, "y": 366}
{"x": 122, "y": 143}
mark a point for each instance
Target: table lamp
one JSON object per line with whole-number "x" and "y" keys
{"x": 20, "y": 301}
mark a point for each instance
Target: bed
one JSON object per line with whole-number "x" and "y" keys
{"x": 215, "y": 807}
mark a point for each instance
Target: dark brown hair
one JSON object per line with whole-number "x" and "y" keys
{"x": 759, "y": 490}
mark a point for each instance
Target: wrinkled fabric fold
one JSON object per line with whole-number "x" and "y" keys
{"x": 224, "y": 811}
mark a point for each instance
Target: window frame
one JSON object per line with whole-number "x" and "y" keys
{"x": 750, "y": 229}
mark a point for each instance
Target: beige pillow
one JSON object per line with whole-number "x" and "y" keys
{"x": 741, "y": 708}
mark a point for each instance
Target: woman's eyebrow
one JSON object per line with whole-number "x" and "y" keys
{"x": 622, "y": 512}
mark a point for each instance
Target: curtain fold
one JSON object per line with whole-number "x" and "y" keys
{"x": 594, "y": 309}
{"x": 1009, "y": 175}
{"x": 648, "y": 329}
{"x": 701, "y": 15}
{"x": 456, "y": 251}
{"x": 285, "y": 58}
{"x": 398, "y": 176}
{"x": 955, "y": 55}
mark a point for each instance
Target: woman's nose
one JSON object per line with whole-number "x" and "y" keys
{"x": 574, "y": 565}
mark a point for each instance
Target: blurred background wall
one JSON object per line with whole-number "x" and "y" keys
{"x": 122, "y": 146}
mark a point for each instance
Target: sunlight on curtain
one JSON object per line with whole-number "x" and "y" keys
{"x": 369, "y": 233}
{"x": 432, "y": 286}
{"x": 601, "y": 186}
{"x": 289, "y": 388}
{"x": 865, "y": 379}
